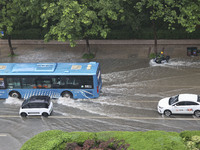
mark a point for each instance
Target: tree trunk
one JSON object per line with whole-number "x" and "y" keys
{"x": 10, "y": 45}
{"x": 155, "y": 37}
{"x": 88, "y": 45}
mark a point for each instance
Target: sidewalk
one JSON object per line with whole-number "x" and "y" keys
{"x": 112, "y": 56}
{"x": 111, "y": 59}
{"x": 106, "y": 48}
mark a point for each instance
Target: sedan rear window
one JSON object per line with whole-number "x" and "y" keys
{"x": 173, "y": 99}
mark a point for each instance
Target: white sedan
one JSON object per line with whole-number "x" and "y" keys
{"x": 180, "y": 104}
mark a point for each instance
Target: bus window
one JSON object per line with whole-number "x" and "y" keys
{"x": 47, "y": 84}
{"x": 76, "y": 82}
{"x": 86, "y": 82}
{"x": 56, "y": 82}
{"x": 28, "y": 83}
{"x": 2, "y": 85}
{"x": 13, "y": 82}
{"x": 43, "y": 83}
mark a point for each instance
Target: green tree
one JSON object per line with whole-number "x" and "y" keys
{"x": 9, "y": 15}
{"x": 80, "y": 19}
{"x": 143, "y": 7}
{"x": 132, "y": 17}
{"x": 33, "y": 9}
{"x": 183, "y": 12}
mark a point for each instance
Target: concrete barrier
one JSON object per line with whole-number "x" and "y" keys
{"x": 110, "y": 48}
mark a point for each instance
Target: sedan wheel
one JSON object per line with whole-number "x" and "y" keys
{"x": 197, "y": 113}
{"x": 167, "y": 113}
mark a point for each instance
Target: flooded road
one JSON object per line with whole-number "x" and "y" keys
{"x": 128, "y": 102}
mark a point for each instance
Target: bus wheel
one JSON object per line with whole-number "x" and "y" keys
{"x": 67, "y": 94}
{"x": 15, "y": 94}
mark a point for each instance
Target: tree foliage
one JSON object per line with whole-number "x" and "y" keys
{"x": 9, "y": 15}
{"x": 79, "y": 19}
{"x": 184, "y": 12}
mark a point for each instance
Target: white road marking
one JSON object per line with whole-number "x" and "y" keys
{"x": 3, "y": 134}
{"x": 136, "y": 118}
{"x": 105, "y": 117}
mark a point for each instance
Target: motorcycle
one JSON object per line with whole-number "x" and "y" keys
{"x": 161, "y": 60}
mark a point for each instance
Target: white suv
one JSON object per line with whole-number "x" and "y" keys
{"x": 36, "y": 105}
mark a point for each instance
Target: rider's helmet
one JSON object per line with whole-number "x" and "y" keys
{"x": 161, "y": 52}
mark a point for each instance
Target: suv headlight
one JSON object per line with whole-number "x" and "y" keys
{"x": 160, "y": 107}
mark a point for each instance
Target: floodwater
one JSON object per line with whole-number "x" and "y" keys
{"x": 128, "y": 102}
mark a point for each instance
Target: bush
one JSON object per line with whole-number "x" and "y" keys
{"x": 88, "y": 56}
{"x": 47, "y": 140}
{"x": 187, "y": 135}
{"x": 192, "y": 139}
{"x": 34, "y": 33}
{"x": 152, "y": 56}
{"x": 151, "y": 140}
{"x": 80, "y": 137}
{"x": 98, "y": 145}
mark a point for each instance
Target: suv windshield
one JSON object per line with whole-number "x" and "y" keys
{"x": 173, "y": 99}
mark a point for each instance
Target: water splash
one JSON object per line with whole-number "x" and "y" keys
{"x": 13, "y": 101}
{"x": 177, "y": 63}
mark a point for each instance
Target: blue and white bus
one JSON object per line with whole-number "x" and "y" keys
{"x": 74, "y": 80}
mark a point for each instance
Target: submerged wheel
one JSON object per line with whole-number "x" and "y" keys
{"x": 15, "y": 94}
{"x": 197, "y": 113}
{"x": 23, "y": 114}
{"x": 167, "y": 113}
{"x": 44, "y": 114}
{"x": 67, "y": 94}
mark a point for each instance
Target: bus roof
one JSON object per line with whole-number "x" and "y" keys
{"x": 50, "y": 68}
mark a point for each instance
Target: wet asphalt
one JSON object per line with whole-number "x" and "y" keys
{"x": 132, "y": 87}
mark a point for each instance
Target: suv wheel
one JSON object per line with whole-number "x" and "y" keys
{"x": 23, "y": 114}
{"x": 44, "y": 114}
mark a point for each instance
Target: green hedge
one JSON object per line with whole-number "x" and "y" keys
{"x": 48, "y": 140}
{"x": 145, "y": 33}
{"x": 34, "y": 33}
{"x": 150, "y": 140}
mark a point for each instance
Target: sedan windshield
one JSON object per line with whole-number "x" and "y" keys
{"x": 198, "y": 100}
{"x": 173, "y": 99}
